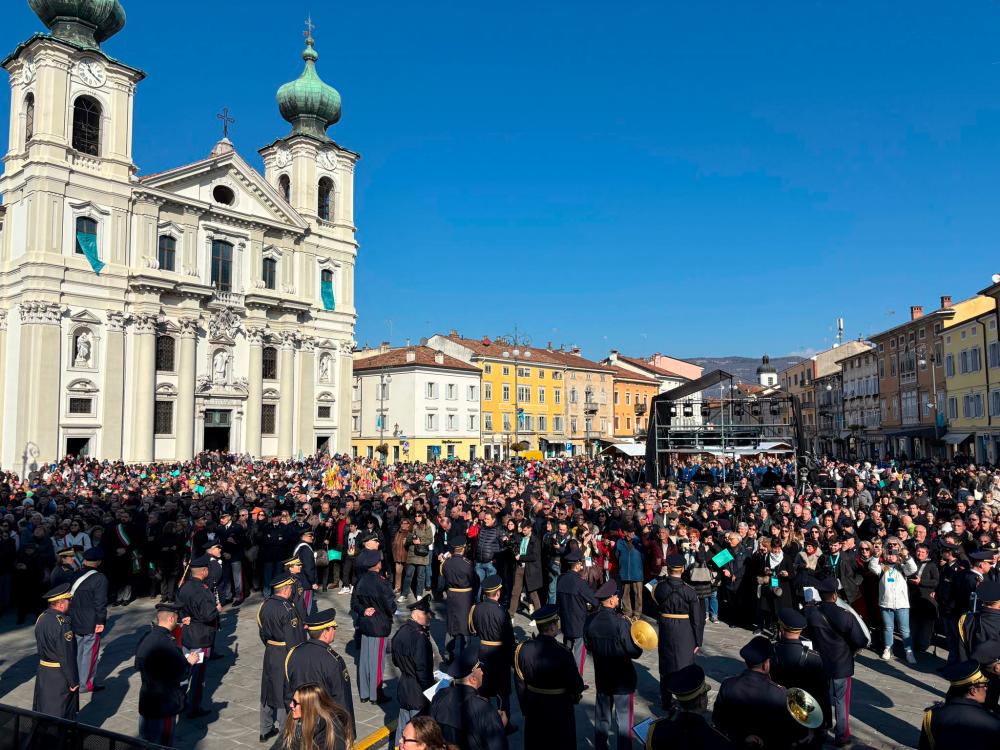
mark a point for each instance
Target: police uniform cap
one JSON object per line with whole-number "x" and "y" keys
{"x": 688, "y": 683}
{"x": 492, "y": 583}
{"x": 675, "y": 562}
{"x": 792, "y": 620}
{"x": 757, "y": 651}
{"x": 607, "y": 590}
{"x": 213, "y": 543}
{"x": 545, "y": 614}
{"x": 988, "y": 591}
{"x": 987, "y": 652}
{"x": 963, "y": 673}
{"x": 322, "y": 620}
{"x": 465, "y": 663}
{"x": 62, "y": 591}
{"x": 980, "y": 556}
{"x": 199, "y": 562}
{"x": 66, "y": 552}
{"x": 573, "y": 556}
{"x": 368, "y": 559}
{"x": 93, "y": 554}
{"x": 828, "y": 586}
{"x": 309, "y": 532}
{"x": 291, "y": 561}
{"x": 168, "y": 607}
{"x": 423, "y": 604}
{"x": 459, "y": 541}
{"x": 281, "y": 580}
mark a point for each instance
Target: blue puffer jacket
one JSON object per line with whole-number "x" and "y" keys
{"x": 629, "y": 559}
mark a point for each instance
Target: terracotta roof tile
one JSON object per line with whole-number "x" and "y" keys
{"x": 424, "y": 357}
{"x": 622, "y": 374}
{"x": 651, "y": 368}
{"x": 496, "y": 349}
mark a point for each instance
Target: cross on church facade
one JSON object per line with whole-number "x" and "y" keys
{"x": 309, "y": 28}
{"x": 226, "y": 121}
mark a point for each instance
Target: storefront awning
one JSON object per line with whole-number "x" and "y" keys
{"x": 629, "y": 449}
{"x": 956, "y": 438}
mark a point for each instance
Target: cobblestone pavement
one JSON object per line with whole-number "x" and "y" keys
{"x": 888, "y": 698}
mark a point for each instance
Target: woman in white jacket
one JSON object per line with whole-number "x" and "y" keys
{"x": 893, "y": 569}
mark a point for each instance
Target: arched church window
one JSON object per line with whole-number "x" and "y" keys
{"x": 325, "y": 198}
{"x": 222, "y": 266}
{"x": 285, "y": 186}
{"x": 29, "y": 118}
{"x": 88, "y": 228}
{"x": 165, "y": 353}
{"x": 167, "y": 253}
{"x": 87, "y": 126}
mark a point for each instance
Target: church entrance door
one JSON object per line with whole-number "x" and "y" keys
{"x": 217, "y": 426}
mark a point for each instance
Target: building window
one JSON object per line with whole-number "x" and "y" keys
{"x": 892, "y": 365}
{"x": 323, "y": 412}
{"x": 488, "y": 422}
{"x": 223, "y": 194}
{"x": 325, "y": 207}
{"x": 524, "y": 394}
{"x": 430, "y": 421}
{"x": 572, "y": 395}
{"x": 163, "y": 418}
{"x": 505, "y": 371}
{"x": 628, "y": 423}
{"x": 167, "y": 253}
{"x": 542, "y": 423}
{"x": 952, "y": 408}
{"x": 557, "y": 424}
{"x": 81, "y": 405}
{"x": 270, "y": 269}
{"x": 85, "y": 226}
{"x": 541, "y": 374}
{"x": 268, "y": 419}
{"x": 541, "y": 395}
{"x": 222, "y": 265}
{"x": 994, "y": 354}
{"x": 431, "y": 390}
{"x": 616, "y": 424}
{"x": 557, "y": 375}
{"x": 472, "y": 394}
{"x": 506, "y": 422}
{"x": 488, "y": 369}
{"x": 487, "y": 391}
{"x": 87, "y": 126}
{"x": 472, "y": 422}
{"x": 285, "y": 188}
{"x": 370, "y": 451}
{"x": 557, "y": 396}
{"x": 524, "y": 372}
{"x": 452, "y": 422}
{"x": 29, "y": 118}
{"x": 451, "y": 392}
{"x": 949, "y": 366}
{"x": 164, "y": 354}
{"x": 995, "y": 404}
{"x": 356, "y": 423}
{"x": 505, "y": 392}
{"x": 269, "y": 363}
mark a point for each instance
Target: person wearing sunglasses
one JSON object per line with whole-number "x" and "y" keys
{"x": 314, "y": 722}
{"x": 423, "y": 733}
{"x": 962, "y": 720}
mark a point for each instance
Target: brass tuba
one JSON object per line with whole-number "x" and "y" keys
{"x": 803, "y": 708}
{"x": 644, "y": 635}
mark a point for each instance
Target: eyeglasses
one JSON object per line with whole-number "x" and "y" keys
{"x": 294, "y": 703}
{"x": 408, "y": 741}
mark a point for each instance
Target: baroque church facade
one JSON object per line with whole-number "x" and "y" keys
{"x": 148, "y": 318}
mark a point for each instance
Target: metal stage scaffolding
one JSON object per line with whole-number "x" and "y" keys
{"x": 735, "y": 421}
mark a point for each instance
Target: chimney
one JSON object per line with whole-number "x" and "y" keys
{"x": 454, "y": 334}
{"x": 916, "y": 311}
{"x": 439, "y": 358}
{"x": 613, "y": 357}
{"x": 548, "y": 346}
{"x": 576, "y": 350}
{"x": 411, "y": 355}
{"x": 384, "y": 347}
{"x": 945, "y": 301}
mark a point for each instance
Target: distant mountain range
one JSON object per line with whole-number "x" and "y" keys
{"x": 743, "y": 368}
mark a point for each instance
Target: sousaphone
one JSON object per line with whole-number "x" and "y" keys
{"x": 803, "y": 708}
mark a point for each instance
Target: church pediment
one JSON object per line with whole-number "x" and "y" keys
{"x": 230, "y": 184}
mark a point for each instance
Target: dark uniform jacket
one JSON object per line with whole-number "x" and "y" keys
{"x": 273, "y": 543}
{"x": 214, "y": 575}
{"x": 549, "y": 685}
{"x": 463, "y": 582}
{"x": 198, "y": 603}
{"x": 164, "y": 670}
{"x": 57, "y": 671}
{"x": 314, "y": 661}
{"x": 305, "y": 553}
{"x": 491, "y": 623}
{"x": 796, "y": 666}
{"x": 318, "y": 737}
{"x": 234, "y": 542}
{"x": 414, "y": 658}
{"x": 373, "y": 591}
{"x": 89, "y": 606}
{"x": 63, "y": 574}
{"x": 965, "y": 585}
{"x": 609, "y": 640}
{"x": 959, "y": 723}
{"x": 750, "y": 704}
{"x": 686, "y": 730}
{"x": 836, "y": 635}
{"x": 280, "y": 629}
{"x": 575, "y": 600}
{"x": 678, "y": 611}
{"x": 467, "y": 719}
{"x": 974, "y": 629}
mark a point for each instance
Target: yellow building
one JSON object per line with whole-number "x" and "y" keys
{"x": 972, "y": 380}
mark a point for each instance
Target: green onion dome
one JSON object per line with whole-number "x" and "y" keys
{"x": 83, "y": 22}
{"x": 310, "y": 105}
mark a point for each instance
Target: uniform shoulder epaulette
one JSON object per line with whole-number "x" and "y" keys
{"x": 517, "y": 660}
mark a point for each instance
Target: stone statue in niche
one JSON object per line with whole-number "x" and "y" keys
{"x": 324, "y": 368}
{"x": 220, "y": 366}
{"x": 84, "y": 347}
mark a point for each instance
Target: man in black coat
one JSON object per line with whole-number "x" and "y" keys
{"x": 304, "y": 552}
{"x": 962, "y": 721}
{"x": 163, "y": 668}
{"x": 609, "y": 638}
{"x": 201, "y": 616}
{"x": 979, "y": 627}
{"x": 272, "y": 545}
{"x": 88, "y": 611}
{"x": 374, "y": 605}
{"x": 466, "y": 718}
{"x": 527, "y": 569}
{"x": 492, "y": 624}
{"x": 316, "y": 661}
{"x": 549, "y": 686}
{"x": 687, "y": 726}
{"x": 280, "y": 630}
{"x": 836, "y": 635}
{"x": 575, "y": 601}
{"x": 751, "y": 705}
{"x": 234, "y": 546}
{"x": 797, "y": 666}
{"x": 413, "y": 655}
{"x": 57, "y": 683}
{"x": 66, "y": 571}
{"x": 462, "y": 583}
{"x": 923, "y": 606}
{"x": 678, "y": 611}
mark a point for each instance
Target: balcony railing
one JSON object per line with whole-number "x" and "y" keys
{"x": 228, "y": 299}
{"x": 640, "y": 409}
{"x": 590, "y": 407}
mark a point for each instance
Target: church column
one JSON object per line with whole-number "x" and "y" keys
{"x": 113, "y": 422}
{"x": 307, "y": 396}
{"x": 286, "y": 404}
{"x": 3, "y": 367}
{"x": 39, "y": 393}
{"x": 345, "y": 385}
{"x": 144, "y": 387}
{"x": 187, "y": 368}
{"x": 255, "y": 390}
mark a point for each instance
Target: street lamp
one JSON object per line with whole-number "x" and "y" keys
{"x": 924, "y": 359}
{"x": 384, "y": 379}
{"x": 517, "y": 356}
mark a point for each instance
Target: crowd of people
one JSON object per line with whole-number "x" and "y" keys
{"x": 897, "y": 558}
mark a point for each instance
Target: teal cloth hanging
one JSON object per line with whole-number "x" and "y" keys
{"x": 326, "y": 291}
{"x": 88, "y": 244}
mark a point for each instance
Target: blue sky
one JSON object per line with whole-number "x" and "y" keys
{"x": 707, "y": 178}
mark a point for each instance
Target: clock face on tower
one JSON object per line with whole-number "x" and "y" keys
{"x": 328, "y": 159}
{"x": 91, "y": 72}
{"x": 28, "y": 71}
{"x": 283, "y": 158}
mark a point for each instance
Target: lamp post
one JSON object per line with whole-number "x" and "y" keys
{"x": 384, "y": 379}
{"x": 932, "y": 360}
{"x": 517, "y": 356}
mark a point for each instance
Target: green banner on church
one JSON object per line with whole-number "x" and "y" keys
{"x": 326, "y": 291}
{"x": 88, "y": 244}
